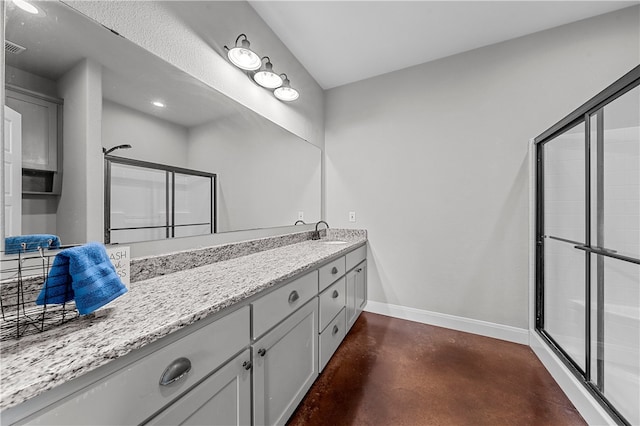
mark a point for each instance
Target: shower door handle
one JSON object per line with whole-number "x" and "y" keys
{"x": 608, "y": 253}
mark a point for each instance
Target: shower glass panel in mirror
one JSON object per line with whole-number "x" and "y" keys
{"x": 107, "y": 87}
{"x": 148, "y": 201}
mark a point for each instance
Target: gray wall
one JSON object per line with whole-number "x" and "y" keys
{"x": 80, "y": 212}
{"x": 265, "y": 174}
{"x": 433, "y": 159}
{"x": 152, "y": 139}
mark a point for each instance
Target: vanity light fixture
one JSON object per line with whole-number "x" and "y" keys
{"x": 243, "y": 57}
{"x": 286, "y": 92}
{"x": 26, "y": 6}
{"x": 265, "y": 76}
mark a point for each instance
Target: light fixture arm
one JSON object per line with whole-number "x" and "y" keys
{"x": 267, "y": 58}
{"x": 241, "y": 35}
{"x": 237, "y": 40}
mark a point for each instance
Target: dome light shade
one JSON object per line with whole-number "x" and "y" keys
{"x": 242, "y": 56}
{"x": 265, "y": 76}
{"x": 286, "y": 92}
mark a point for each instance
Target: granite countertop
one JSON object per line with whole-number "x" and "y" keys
{"x": 151, "y": 309}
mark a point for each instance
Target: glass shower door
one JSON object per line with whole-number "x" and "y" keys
{"x": 588, "y": 245}
{"x": 615, "y": 210}
{"x": 564, "y": 220}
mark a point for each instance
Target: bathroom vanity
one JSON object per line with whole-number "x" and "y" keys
{"x": 238, "y": 341}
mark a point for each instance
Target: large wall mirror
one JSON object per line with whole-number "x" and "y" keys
{"x": 59, "y": 61}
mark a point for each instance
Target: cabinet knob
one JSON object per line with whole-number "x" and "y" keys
{"x": 262, "y": 351}
{"x": 247, "y": 365}
{"x": 335, "y": 294}
{"x": 293, "y": 296}
{"x": 175, "y": 371}
{"x": 334, "y": 270}
{"x": 335, "y": 330}
{"x": 359, "y": 270}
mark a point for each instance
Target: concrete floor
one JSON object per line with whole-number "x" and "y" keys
{"x": 395, "y": 372}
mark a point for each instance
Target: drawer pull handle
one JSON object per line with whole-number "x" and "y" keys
{"x": 175, "y": 371}
{"x": 262, "y": 351}
{"x": 247, "y": 365}
{"x": 293, "y": 296}
{"x": 335, "y": 330}
{"x": 335, "y": 294}
{"x": 334, "y": 270}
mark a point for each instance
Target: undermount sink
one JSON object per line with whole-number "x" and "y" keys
{"x": 333, "y": 242}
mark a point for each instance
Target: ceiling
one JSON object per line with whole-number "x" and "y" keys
{"x": 340, "y": 42}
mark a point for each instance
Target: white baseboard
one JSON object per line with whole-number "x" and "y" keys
{"x": 587, "y": 406}
{"x": 483, "y": 328}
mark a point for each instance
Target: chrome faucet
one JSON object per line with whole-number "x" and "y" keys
{"x": 316, "y": 233}
{"x": 300, "y": 221}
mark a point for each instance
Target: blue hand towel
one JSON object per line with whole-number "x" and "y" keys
{"x": 85, "y": 274}
{"x": 13, "y": 245}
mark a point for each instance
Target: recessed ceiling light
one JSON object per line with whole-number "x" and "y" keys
{"x": 26, "y": 6}
{"x": 158, "y": 104}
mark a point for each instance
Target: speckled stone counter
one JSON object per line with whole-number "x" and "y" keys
{"x": 152, "y": 309}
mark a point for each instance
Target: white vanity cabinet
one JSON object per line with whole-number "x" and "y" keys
{"x": 252, "y": 365}
{"x": 356, "y": 284}
{"x": 272, "y": 308}
{"x": 134, "y": 393}
{"x": 224, "y": 398}
{"x": 356, "y": 292}
{"x": 330, "y": 272}
{"x": 331, "y": 337}
{"x": 285, "y": 365}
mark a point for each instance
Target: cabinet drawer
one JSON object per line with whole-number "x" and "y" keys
{"x": 356, "y": 256}
{"x": 331, "y": 337}
{"x": 331, "y": 272}
{"x": 135, "y": 391}
{"x": 332, "y": 300}
{"x": 269, "y": 310}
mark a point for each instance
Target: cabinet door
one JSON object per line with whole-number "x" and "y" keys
{"x": 361, "y": 286}
{"x": 351, "y": 307}
{"x": 39, "y": 130}
{"x": 285, "y": 366}
{"x": 222, "y": 399}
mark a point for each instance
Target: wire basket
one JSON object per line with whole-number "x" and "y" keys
{"x": 22, "y": 278}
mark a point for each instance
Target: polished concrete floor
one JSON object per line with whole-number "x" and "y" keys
{"x": 394, "y": 372}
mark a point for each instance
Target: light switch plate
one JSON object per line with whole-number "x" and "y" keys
{"x": 352, "y": 216}
{"x": 300, "y": 215}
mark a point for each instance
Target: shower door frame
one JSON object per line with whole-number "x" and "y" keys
{"x": 170, "y": 171}
{"x": 583, "y": 115}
